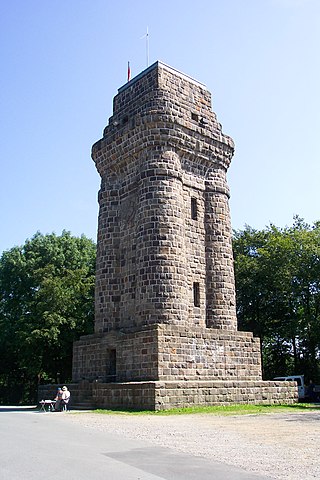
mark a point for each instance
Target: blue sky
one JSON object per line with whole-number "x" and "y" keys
{"x": 63, "y": 62}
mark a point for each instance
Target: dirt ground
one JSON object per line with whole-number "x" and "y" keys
{"x": 281, "y": 446}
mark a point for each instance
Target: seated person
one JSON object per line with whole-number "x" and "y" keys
{"x": 58, "y": 398}
{"x": 65, "y": 398}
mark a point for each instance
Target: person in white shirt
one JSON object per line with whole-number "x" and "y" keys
{"x": 65, "y": 398}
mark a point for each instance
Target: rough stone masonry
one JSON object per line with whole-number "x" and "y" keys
{"x": 165, "y": 314}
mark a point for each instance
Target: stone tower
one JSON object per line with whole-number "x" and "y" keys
{"x": 165, "y": 319}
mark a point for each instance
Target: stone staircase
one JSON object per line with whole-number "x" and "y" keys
{"x": 84, "y": 405}
{"x": 82, "y": 398}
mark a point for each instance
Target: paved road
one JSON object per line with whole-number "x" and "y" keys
{"x": 42, "y": 446}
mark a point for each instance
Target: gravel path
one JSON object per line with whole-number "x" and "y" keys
{"x": 282, "y": 446}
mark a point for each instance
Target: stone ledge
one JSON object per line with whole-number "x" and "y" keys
{"x": 163, "y": 395}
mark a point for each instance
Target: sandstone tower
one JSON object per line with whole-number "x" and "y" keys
{"x": 165, "y": 319}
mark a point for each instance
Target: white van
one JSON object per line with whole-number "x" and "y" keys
{"x": 300, "y": 382}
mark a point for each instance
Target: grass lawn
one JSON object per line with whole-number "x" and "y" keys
{"x": 221, "y": 410}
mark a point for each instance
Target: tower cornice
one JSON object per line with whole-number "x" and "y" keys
{"x": 157, "y": 65}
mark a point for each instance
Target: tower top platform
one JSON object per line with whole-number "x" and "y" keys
{"x": 159, "y": 64}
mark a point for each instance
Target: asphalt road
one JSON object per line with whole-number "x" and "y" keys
{"x": 42, "y": 446}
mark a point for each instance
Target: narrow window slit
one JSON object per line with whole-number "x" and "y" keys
{"x": 196, "y": 294}
{"x": 194, "y": 209}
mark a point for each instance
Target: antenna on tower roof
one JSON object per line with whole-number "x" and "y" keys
{"x": 146, "y": 36}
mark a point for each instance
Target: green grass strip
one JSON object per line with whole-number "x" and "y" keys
{"x": 241, "y": 409}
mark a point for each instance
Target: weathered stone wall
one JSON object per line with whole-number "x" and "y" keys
{"x": 92, "y": 358}
{"x": 204, "y": 353}
{"x": 169, "y": 352}
{"x": 185, "y": 394}
{"x": 221, "y": 305}
{"x": 175, "y": 394}
{"x": 136, "y": 356}
{"x": 163, "y": 149}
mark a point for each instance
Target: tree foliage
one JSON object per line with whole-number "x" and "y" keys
{"x": 278, "y": 295}
{"x": 46, "y": 302}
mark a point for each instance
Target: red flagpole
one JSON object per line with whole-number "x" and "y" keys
{"x": 129, "y": 72}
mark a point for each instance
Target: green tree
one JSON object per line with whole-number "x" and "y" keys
{"x": 46, "y": 303}
{"x": 278, "y": 294}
